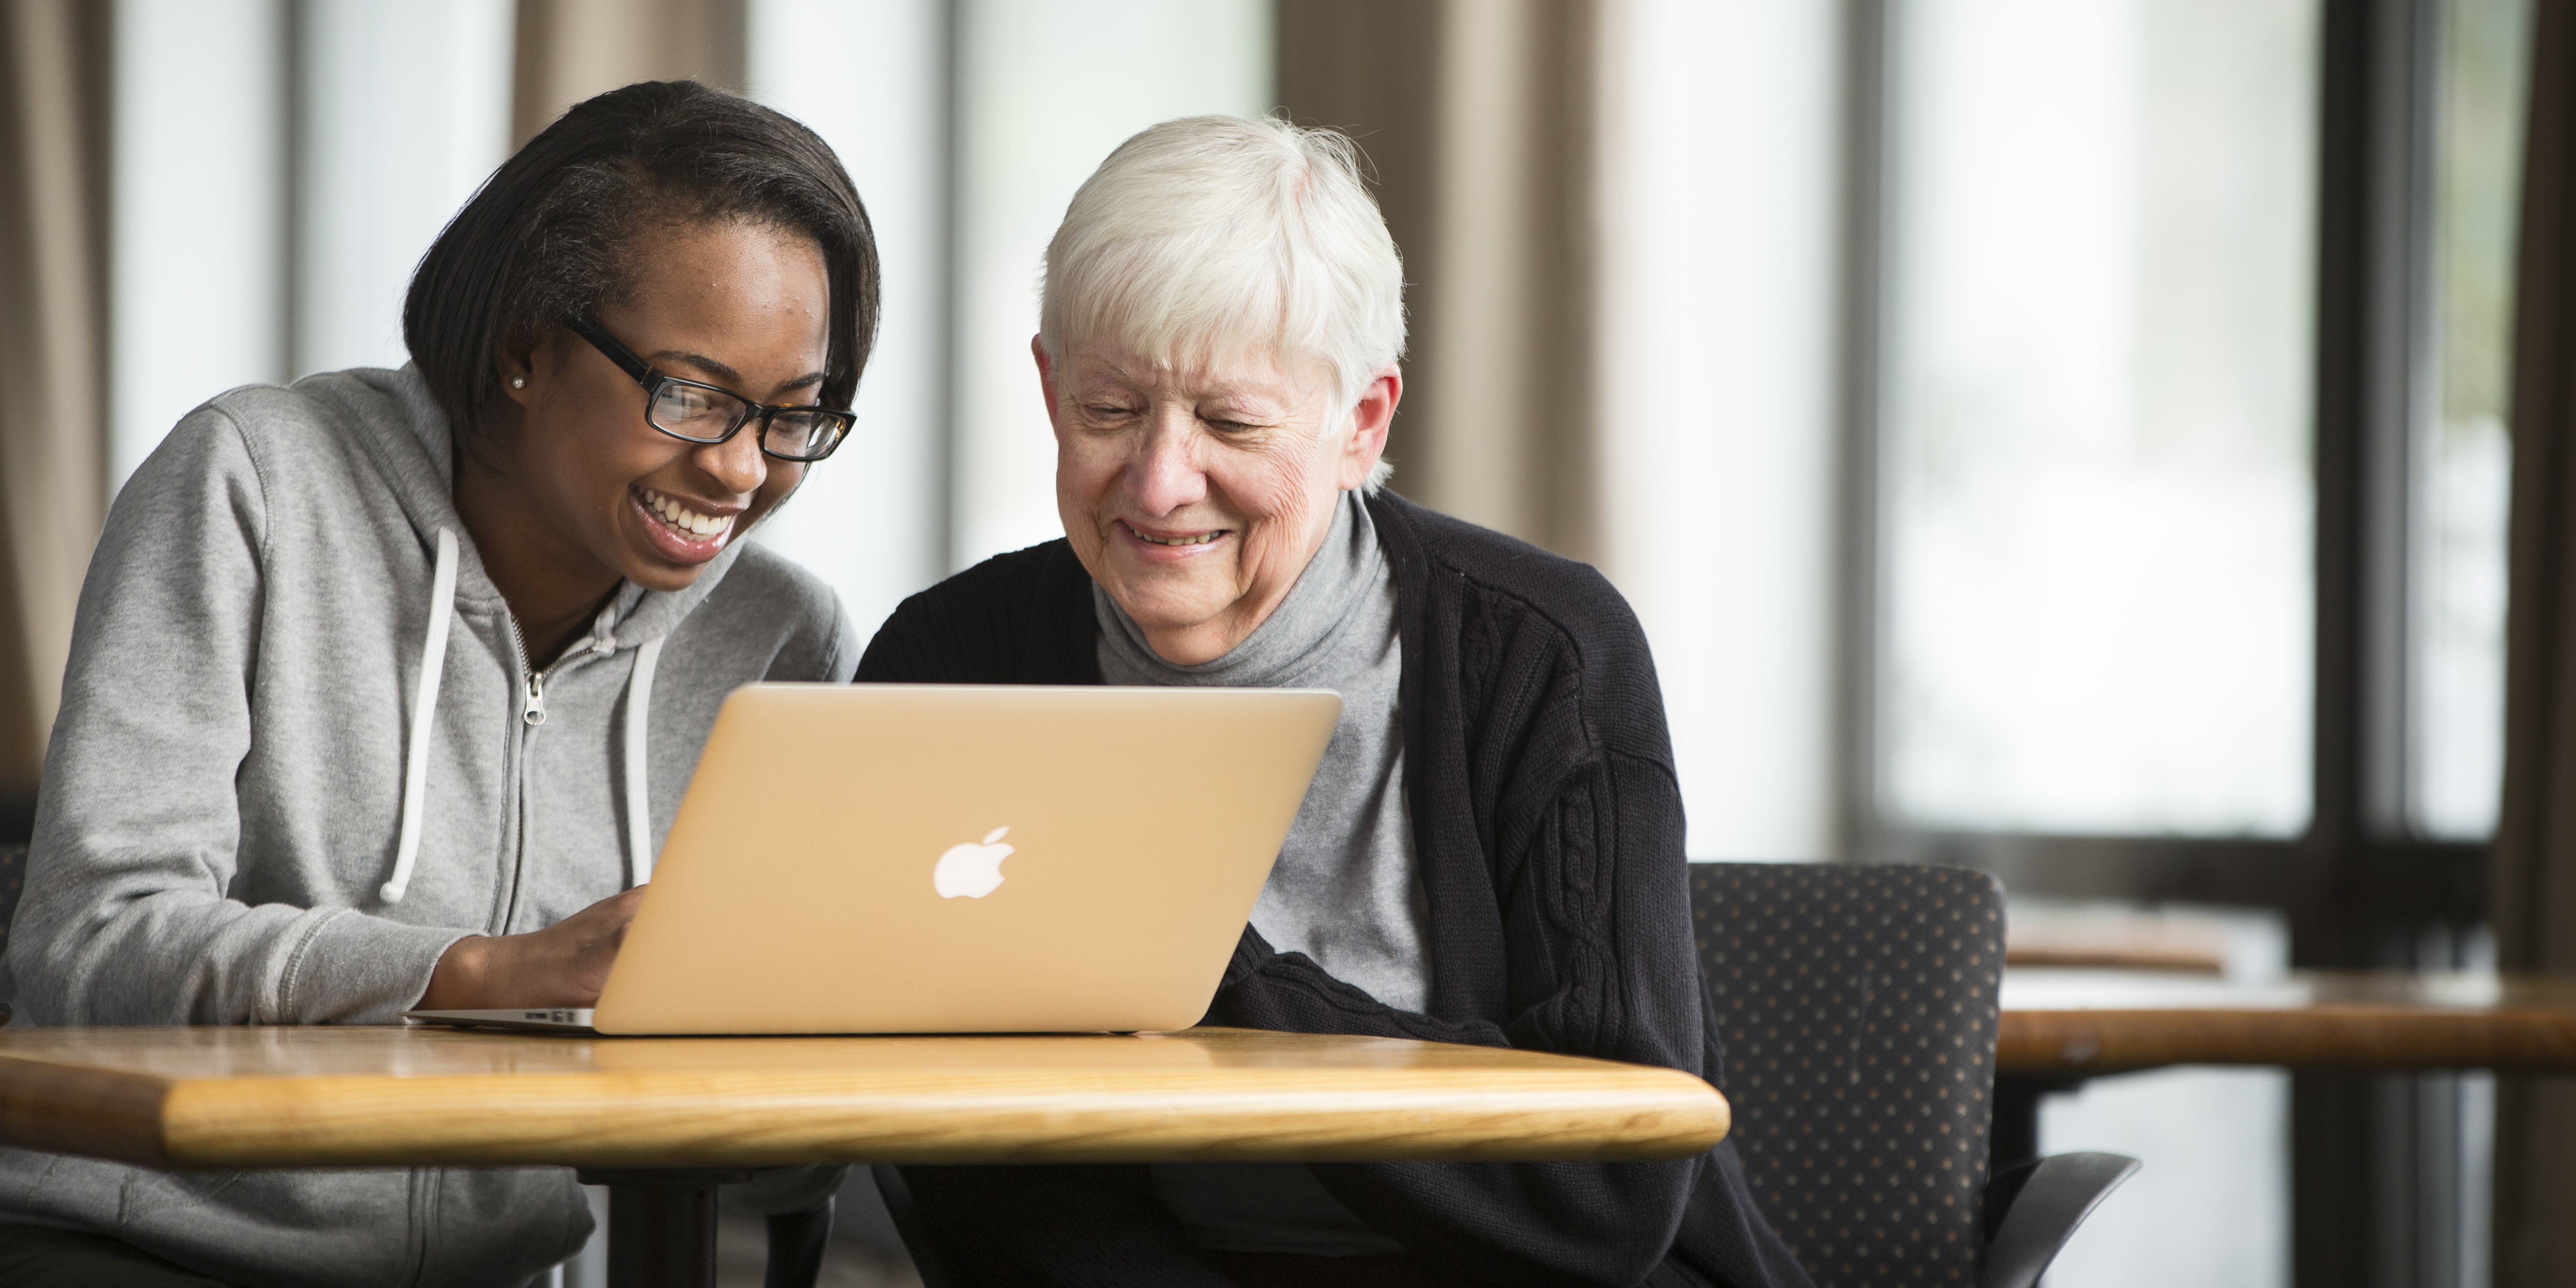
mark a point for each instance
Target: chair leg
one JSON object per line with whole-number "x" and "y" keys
{"x": 2013, "y": 1137}
{"x": 927, "y": 1260}
{"x": 796, "y": 1244}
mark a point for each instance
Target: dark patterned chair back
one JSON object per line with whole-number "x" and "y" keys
{"x": 1856, "y": 1004}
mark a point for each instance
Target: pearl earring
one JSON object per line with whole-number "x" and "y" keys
{"x": 518, "y": 382}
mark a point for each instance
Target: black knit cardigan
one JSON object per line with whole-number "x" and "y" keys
{"x": 1548, "y": 826}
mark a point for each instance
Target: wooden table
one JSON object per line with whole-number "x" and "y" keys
{"x": 663, "y": 1120}
{"x": 2061, "y": 1026}
{"x": 2121, "y": 940}
{"x": 2068, "y": 1022}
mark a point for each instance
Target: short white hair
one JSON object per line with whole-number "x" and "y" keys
{"x": 1215, "y": 235}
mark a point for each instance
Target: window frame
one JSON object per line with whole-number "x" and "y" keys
{"x": 2357, "y": 859}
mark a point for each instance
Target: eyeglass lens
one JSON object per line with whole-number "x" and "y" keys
{"x": 708, "y": 415}
{"x": 799, "y": 434}
{"x": 691, "y": 411}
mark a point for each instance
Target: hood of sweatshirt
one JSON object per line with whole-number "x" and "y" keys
{"x": 407, "y": 436}
{"x": 410, "y": 440}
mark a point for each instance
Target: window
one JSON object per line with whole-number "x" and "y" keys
{"x": 2097, "y": 520}
{"x": 2186, "y": 476}
{"x": 2462, "y": 457}
{"x": 967, "y": 129}
{"x": 1035, "y": 116}
{"x": 360, "y": 127}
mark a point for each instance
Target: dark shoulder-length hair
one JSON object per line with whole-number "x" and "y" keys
{"x": 546, "y": 238}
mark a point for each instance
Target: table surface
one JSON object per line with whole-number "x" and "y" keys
{"x": 325, "y": 1096}
{"x": 2081, "y": 1022}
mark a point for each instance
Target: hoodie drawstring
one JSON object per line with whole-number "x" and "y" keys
{"x": 424, "y": 711}
{"x": 639, "y": 800}
{"x": 433, "y": 660}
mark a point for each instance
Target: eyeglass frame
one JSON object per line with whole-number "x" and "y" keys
{"x": 654, "y": 381}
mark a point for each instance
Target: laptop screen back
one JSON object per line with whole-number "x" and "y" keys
{"x": 949, "y": 858}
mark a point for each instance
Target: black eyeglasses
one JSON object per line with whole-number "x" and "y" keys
{"x": 701, "y": 413}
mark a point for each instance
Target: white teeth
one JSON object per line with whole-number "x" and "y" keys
{"x": 1199, "y": 540}
{"x": 684, "y": 518}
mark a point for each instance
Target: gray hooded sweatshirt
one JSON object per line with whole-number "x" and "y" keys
{"x": 255, "y": 811}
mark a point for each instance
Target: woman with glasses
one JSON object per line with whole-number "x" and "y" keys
{"x": 385, "y": 685}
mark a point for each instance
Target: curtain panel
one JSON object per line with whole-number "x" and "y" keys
{"x": 1480, "y": 120}
{"x": 569, "y": 50}
{"x": 2534, "y": 888}
{"x": 54, "y": 60}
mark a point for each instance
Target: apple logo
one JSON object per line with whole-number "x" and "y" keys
{"x": 970, "y": 869}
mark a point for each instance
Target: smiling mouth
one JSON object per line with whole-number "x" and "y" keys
{"x": 1198, "y": 539}
{"x": 691, "y": 525}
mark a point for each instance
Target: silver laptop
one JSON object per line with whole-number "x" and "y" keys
{"x": 878, "y": 858}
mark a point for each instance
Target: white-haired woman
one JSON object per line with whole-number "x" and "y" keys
{"x": 1491, "y": 851}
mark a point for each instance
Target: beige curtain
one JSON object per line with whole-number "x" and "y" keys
{"x": 53, "y": 282}
{"x": 1480, "y": 118}
{"x": 571, "y": 49}
{"x": 2535, "y": 850}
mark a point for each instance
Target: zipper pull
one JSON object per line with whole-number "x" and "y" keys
{"x": 534, "y": 712}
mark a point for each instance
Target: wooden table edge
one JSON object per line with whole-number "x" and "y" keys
{"x": 2327, "y": 1035}
{"x": 697, "y": 1117}
{"x": 99, "y": 1113}
{"x": 667, "y": 1120}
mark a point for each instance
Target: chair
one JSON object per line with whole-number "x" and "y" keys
{"x": 1856, "y": 1006}
{"x": 796, "y": 1204}
{"x": 927, "y": 1260}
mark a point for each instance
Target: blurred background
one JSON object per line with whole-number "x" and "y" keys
{"x": 2065, "y": 437}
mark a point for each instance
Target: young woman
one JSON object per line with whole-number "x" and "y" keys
{"x": 385, "y": 685}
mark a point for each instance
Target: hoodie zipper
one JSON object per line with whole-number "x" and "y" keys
{"x": 532, "y": 703}
{"x": 532, "y": 713}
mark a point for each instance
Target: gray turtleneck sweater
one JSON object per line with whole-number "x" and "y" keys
{"x": 1345, "y": 890}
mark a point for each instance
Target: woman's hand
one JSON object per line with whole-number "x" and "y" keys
{"x": 565, "y": 964}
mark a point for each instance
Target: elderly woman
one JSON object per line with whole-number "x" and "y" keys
{"x": 1491, "y": 851}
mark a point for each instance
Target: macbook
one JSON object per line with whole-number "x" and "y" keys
{"x": 879, "y": 858}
